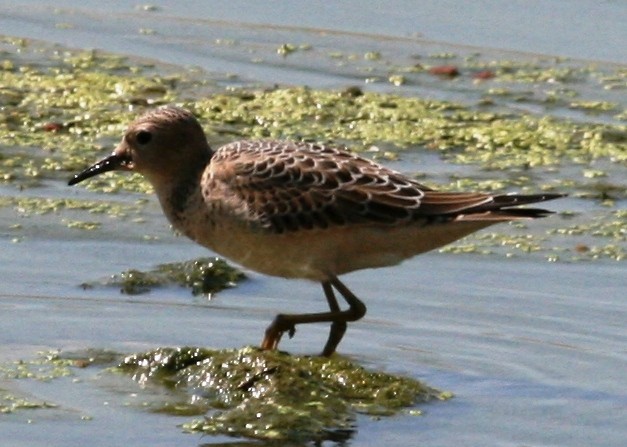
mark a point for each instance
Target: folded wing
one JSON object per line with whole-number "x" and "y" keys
{"x": 291, "y": 186}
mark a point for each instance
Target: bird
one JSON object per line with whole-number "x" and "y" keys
{"x": 296, "y": 209}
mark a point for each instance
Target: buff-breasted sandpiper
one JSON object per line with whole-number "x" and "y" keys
{"x": 298, "y": 210}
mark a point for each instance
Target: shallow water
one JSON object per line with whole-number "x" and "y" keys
{"x": 534, "y": 351}
{"x": 530, "y": 356}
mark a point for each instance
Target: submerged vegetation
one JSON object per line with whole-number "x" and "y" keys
{"x": 243, "y": 393}
{"x": 203, "y": 276}
{"x": 271, "y": 395}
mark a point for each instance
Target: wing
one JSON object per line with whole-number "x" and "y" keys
{"x": 288, "y": 186}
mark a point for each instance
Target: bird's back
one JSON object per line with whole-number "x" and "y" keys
{"x": 301, "y": 186}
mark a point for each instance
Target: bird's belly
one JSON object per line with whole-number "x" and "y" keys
{"x": 285, "y": 255}
{"x": 320, "y": 253}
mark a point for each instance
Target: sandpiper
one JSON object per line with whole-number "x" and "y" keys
{"x": 298, "y": 210}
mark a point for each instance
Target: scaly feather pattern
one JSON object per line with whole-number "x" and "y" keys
{"x": 290, "y": 186}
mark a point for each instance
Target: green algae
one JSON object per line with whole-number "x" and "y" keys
{"x": 601, "y": 235}
{"x": 461, "y": 135}
{"x": 83, "y": 225}
{"x": 10, "y": 403}
{"x": 288, "y": 48}
{"x": 594, "y": 106}
{"x": 203, "y": 276}
{"x": 244, "y": 393}
{"x": 88, "y": 94}
{"x": 60, "y": 110}
{"x": 48, "y": 366}
{"x": 39, "y": 206}
{"x": 273, "y": 396}
{"x": 45, "y": 367}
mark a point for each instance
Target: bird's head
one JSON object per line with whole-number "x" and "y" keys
{"x": 159, "y": 145}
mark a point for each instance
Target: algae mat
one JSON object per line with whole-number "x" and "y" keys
{"x": 62, "y": 109}
{"x": 243, "y": 393}
{"x": 272, "y": 395}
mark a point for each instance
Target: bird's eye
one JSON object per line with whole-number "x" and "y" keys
{"x": 143, "y": 137}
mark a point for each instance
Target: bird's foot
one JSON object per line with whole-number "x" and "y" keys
{"x": 275, "y": 331}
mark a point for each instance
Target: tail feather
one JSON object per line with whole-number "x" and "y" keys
{"x": 510, "y": 202}
{"x": 505, "y": 215}
{"x": 484, "y": 207}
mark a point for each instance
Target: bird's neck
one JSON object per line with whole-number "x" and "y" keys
{"x": 179, "y": 193}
